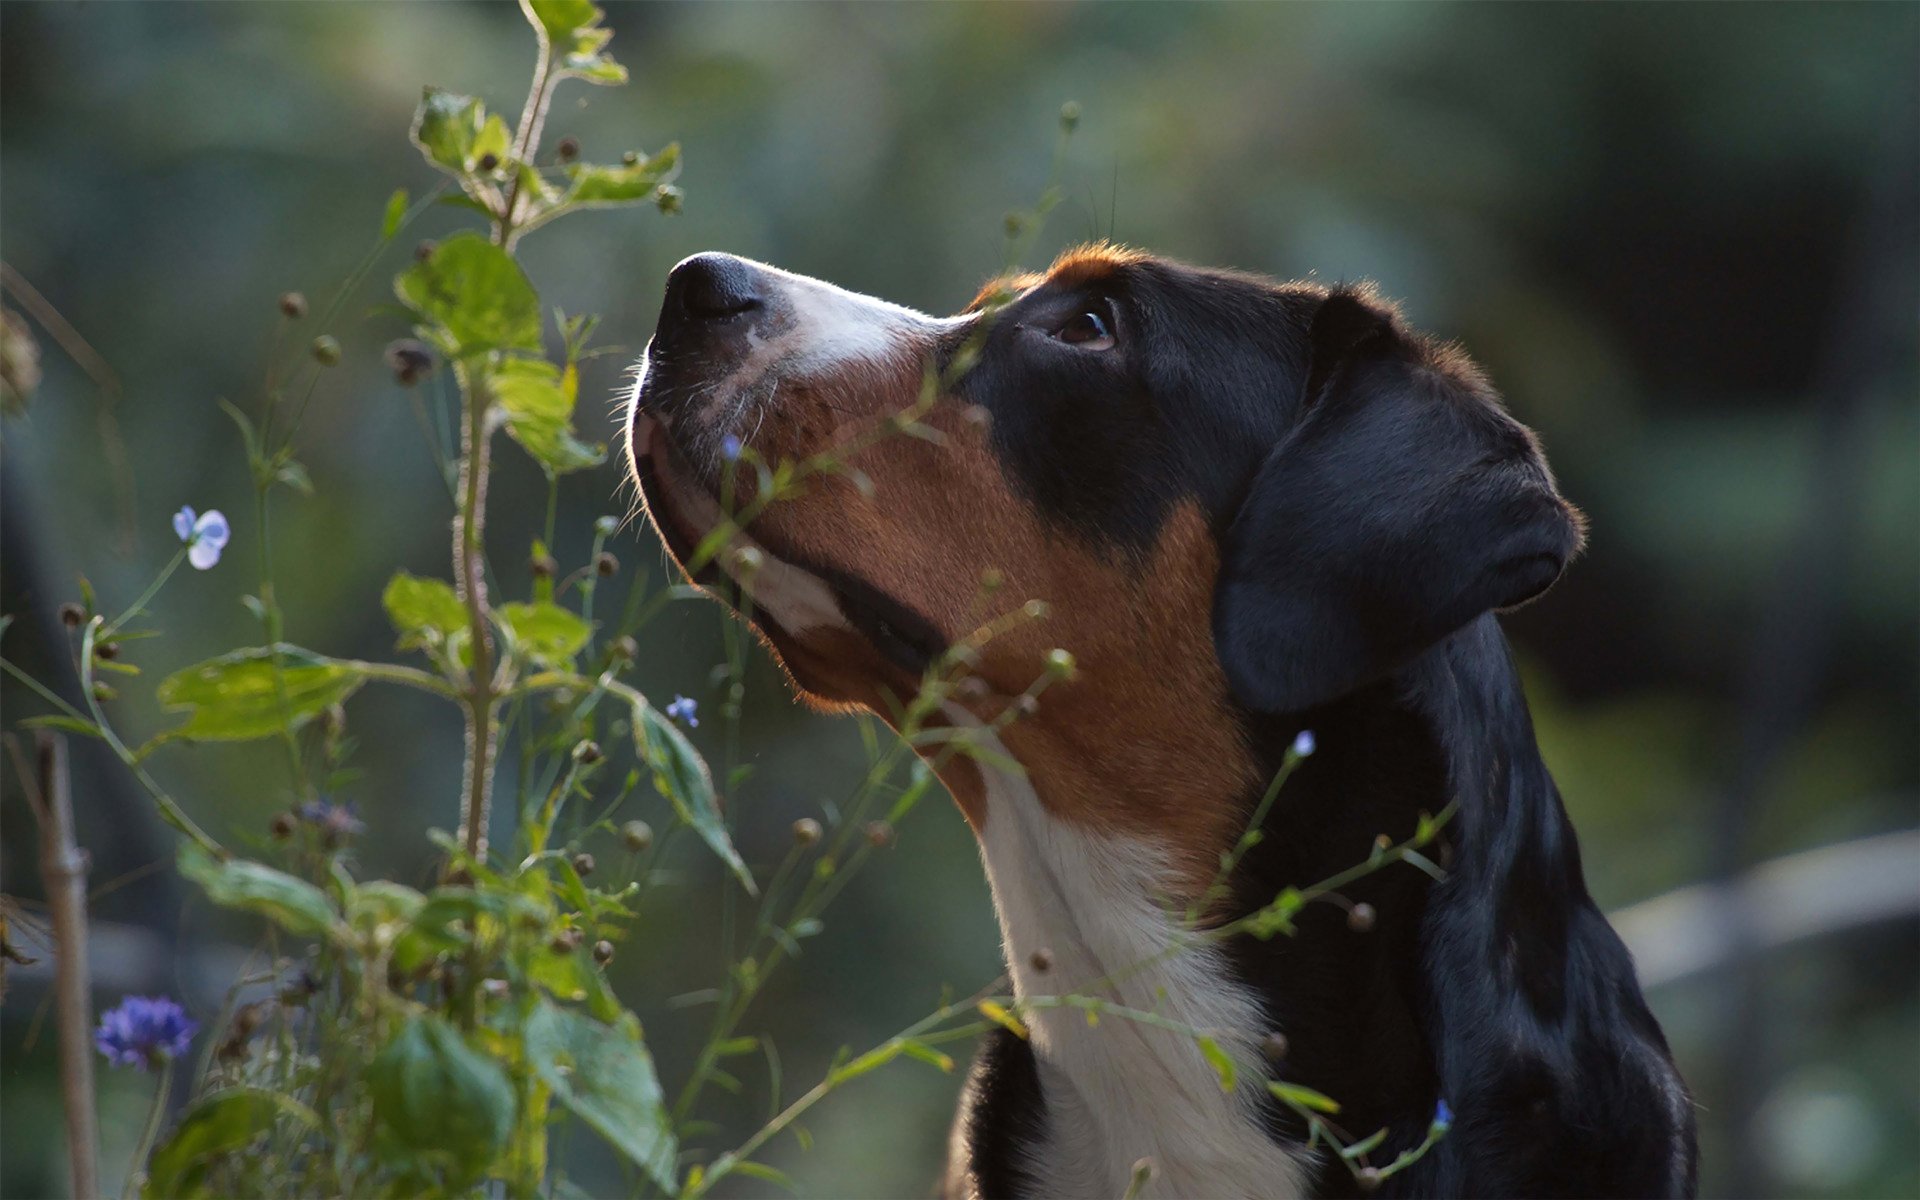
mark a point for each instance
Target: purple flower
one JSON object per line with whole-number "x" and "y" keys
{"x": 682, "y": 709}
{"x": 1304, "y": 743}
{"x": 144, "y": 1031}
{"x": 730, "y": 447}
{"x": 1442, "y": 1115}
{"x": 205, "y": 535}
{"x": 336, "y": 822}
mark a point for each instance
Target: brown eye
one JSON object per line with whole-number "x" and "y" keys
{"x": 1089, "y": 331}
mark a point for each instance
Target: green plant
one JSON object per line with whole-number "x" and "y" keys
{"x": 429, "y": 1041}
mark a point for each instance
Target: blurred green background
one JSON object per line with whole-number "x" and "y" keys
{"x": 1682, "y": 239}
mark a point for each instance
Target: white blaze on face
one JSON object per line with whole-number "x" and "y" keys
{"x": 820, "y": 325}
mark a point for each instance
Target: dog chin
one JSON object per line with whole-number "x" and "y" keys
{"x": 781, "y": 599}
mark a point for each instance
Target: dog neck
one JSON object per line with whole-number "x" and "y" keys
{"x": 1364, "y": 1005}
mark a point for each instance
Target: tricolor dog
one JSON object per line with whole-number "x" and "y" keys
{"x": 1253, "y": 508}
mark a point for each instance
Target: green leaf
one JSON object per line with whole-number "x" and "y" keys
{"x": 545, "y": 632}
{"x": 681, "y": 775}
{"x": 447, "y": 126}
{"x": 559, "y": 18}
{"x": 63, "y": 723}
{"x": 1295, "y": 1096}
{"x": 537, "y": 399}
{"x": 438, "y": 1104}
{"x": 219, "y": 1123}
{"x": 595, "y": 184}
{"x": 604, "y": 1075}
{"x": 423, "y": 610}
{"x": 396, "y": 212}
{"x": 1220, "y": 1061}
{"x": 237, "y": 696}
{"x": 293, "y": 904}
{"x": 474, "y": 296}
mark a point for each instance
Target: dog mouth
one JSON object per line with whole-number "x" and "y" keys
{"x": 781, "y": 592}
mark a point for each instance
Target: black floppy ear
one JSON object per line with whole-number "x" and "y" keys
{"x": 1403, "y": 503}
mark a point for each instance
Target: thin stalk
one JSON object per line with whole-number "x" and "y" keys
{"x": 470, "y": 574}
{"x": 63, "y": 865}
{"x": 137, "y": 1170}
{"x": 153, "y": 589}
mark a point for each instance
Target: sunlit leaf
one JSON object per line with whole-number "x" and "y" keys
{"x": 241, "y": 695}
{"x": 219, "y": 1123}
{"x": 681, "y": 774}
{"x": 537, "y": 398}
{"x": 423, "y": 610}
{"x": 396, "y": 212}
{"x": 289, "y": 902}
{"x": 545, "y": 633}
{"x": 437, "y": 1102}
{"x": 448, "y": 128}
{"x": 475, "y": 295}
{"x": 1219, "y": 1060}
{"x": 628, "y": 183}
{"x": 1295, "y": 1096}
{"x": 604, "y": 1075}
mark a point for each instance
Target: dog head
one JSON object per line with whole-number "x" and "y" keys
{"x": 1234, "y": 497}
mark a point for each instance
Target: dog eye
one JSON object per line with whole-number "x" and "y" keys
{"x": 1089, "y": 331}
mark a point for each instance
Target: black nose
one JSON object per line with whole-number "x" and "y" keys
{"x": 712, "y": 287}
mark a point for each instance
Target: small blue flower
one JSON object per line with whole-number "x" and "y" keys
{"x": 1442, "y": 1115}
{"x": 205, "y": 535}
{"x": 1303, "y": 743}
{"x": 143, "y": 1031}
{"x": 730, "y": 447}
{"x": 683, "y": 709}
{"x": 336, "y": 822}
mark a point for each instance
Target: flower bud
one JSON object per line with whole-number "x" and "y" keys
{"x": 1274, "y": 1046}
{"x": 588, "y": 752}
{"x": 977, "y": 417}
{"x": 748, "y": 559}
{"x": 107, "y": 651}
{"x": 496, "y": 989}
{"x": 103, "y": 693}
{"x": 1360, "y": 918}
{"x": 1015, "y": 223}
{"x": 583, "y": 863}
{"x": 638, "y": 835}
{"x": 1368, "y": 1178}
{"x": 806, "y": 831}
{"x": 606, "y": 564}
{"x": 625, "y": 648}
{"x": 72, "y": 615}
{"x": 1036, "y": 609}
{"x": 879, "y": 834}
{"x": 282, "y": 827}
{"x": 1025, "y": 705}
{"x": 459, "y": 877}
{"x": 410, "y": 361}
{"x": 631, "y": 158}
{"x": 607, "y": 526}
{"x": 603, "y": 952}
{"x": 542, "y": 566}
{"x": 489, "y": 162}
{"x": 293, "y": 305}
{"x": 972, "y": 688}
{"x": 1070, "y": 115}
{"x": 568, "y": 149}
{"x": 992, "y": 580}
{"x": 424, "y": 250}
{"x": 565, "y": 941}
{"x": 1060, "y": 664}
{"x": 1383, "y": 843}
{"x": 668, "y": 199}
{"x": 326, "y": 350}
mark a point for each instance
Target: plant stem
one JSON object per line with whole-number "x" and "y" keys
{"x": 470, "y": 573}
{"x": 64, "y": 867}
{"x": 153, "y": 588}
{"x": 136, "y": 1170}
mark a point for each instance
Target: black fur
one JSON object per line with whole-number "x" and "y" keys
{"x": 1374, "y": 504}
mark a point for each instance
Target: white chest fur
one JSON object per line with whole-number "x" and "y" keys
{"x": 1122, "y": 1090}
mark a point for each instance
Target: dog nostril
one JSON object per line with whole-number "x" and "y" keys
{"x": 712, "y": 287}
